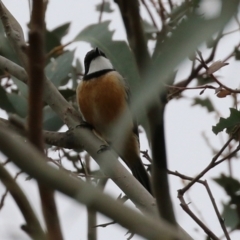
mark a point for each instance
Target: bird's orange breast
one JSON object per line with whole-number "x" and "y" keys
{"x": 102, "y": 100}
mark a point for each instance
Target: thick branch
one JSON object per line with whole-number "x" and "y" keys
{"x": 35, "y": 68}
{"x": 33, "y": 227}
{"x": 59, "y": 139}
{"x": 36, "y": 74}
{"x": 135, "y": 34}
{"x": 159, "y": 171}
{"x": 22, "y": 154}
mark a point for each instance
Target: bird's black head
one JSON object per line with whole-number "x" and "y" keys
{"x": 90, "y": 56}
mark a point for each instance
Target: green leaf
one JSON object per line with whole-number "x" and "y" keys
{"x": 148, "y": 27}
{"x": 19, "y": 104}
{"x": 59, "y": 70}
{"x": 5, "y": 104}
{"x": 6, "y": 48}
{"x": 61, "y": 31}
{"x": 228, "y": 123}
{"x": 106, "y": 8}
{"x": 51, "y": 41}
{"x": 230, "y": 216}
{"x": 204, "y": 103}
{"x": 51, "y": 121}
{"x": 182, "y": 11}
{"x": 231, "y": 186}
{"x": 204, "y": 79}
{"x": 79, "y": 67}
{"x": 13, "y": 103}
{"x": 76, "y": 72}
{"x": 210, "y": 42}
{"x": 98, "y": 35}
{"x": 149, "y": 30}
{"x": 22, "y": 87}
{"x": 237, "y": 54}
{"x": 67, "y": 93}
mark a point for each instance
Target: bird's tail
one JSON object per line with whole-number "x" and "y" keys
{"x": 130, "y": 155}
{"x": 140, "y": 173}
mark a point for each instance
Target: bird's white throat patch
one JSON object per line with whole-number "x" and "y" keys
{"x": 98, "y": 64}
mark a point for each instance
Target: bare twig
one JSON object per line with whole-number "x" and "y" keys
{"x": 58, "y": 49}
{"x": 170, "y": 4}
{"x": 205, "y": 184}
{"x": 214, "y": 78}
{"x": 195, "y": 72}
{"x": 121, "y": 199}
{"x": 185, "y": 207}
{"x": 103, "y": 225}
{"x": 212, "y": 164}
{"x": 162, "y": 12}
{"x": 220, "y": 219}
{"x": 3, "y": 198}
{"x": 149, "y": 13}
{"x": 146, "y": 155}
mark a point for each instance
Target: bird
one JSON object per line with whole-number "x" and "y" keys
{"x": 103, "y": 97}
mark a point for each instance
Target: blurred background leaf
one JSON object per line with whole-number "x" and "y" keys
{"x": 59, "y": 69}
{"x": 51, "y": 121}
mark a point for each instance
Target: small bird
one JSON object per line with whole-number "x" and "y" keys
{"x": 102, "y": 97}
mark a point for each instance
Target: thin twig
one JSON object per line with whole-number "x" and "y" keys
{"x": 195, "y": 72}
{"x": 170, "y": 4}
{"x": 162, "y": 12}
{"x": 214, "y": 78}
{"x": 210, "y": 166}
{"x": 32, "y": 227}
{"x": 196, "y": 219}
{"x": 220, "y": 219}
{"x": 149, "y": 13}
{"x": 58, "y": 49}
{"x": 205, "y": 184}
{"x": 146, "y": 155}
{"x": 103, "y": 225}
{"x": 3, "y": 198}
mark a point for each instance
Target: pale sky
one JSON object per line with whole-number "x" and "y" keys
{"x": 187, "y": 151}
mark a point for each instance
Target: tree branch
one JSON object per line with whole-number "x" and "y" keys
{"x": 36, "y": 64}
{"x": 159, "y": 170}
{"x": 33, "y": 227}
{"x": 135, "y": 34}
{"x": 22, "y": 154}
{"x": 59, "y": 139}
